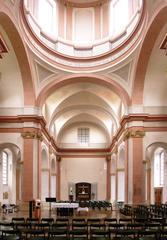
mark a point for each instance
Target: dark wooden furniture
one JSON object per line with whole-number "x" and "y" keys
{"x": 83, "y": 191}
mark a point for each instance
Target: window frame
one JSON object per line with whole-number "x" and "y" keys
{"x": 5, "y": 170}
{"x": 83, "y": 135}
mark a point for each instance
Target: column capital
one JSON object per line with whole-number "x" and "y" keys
{"x": 58, "y": 158}
{"x": 32, "y": 135}
{"x": 108, "y": 157}
{"x": 133, "y": 134}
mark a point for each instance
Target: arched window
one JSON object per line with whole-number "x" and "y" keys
{"x": 119, "y": 13}
{"x": 159, "y": 157}
{"x": 4, "y": 168}
{"x": 83, "y": 22}
{"x": 47, "y": 15}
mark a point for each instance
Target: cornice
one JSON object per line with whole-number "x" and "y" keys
{"x": 123, "y": 132}
{"x": 144, "y": 118}
{"x": 23, "y": 119}
{"x": 129, "y": 132}
{"x": 134, "y": 134}
{"x": 96, "y": 3}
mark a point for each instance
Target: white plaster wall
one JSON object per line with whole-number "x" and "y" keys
{"x": 155, "y": 87}
{"x": 83, "y": 29}
{"x": 79, "y": 169}
{"x": 14, "y": 138}
{"x": 53, "y": 186}
{"x": 150, "y": 138}
{"x": 153, "y": 137}
{"x": 45, "y": 174}
{"x": 113, "y": 188}
{"x": 45, "y": 185}
{"x": 70, "y": 135}
{"x": 11, "y": 186}
{"x": 11, "y": 90}
{"x": 121, "y": 186}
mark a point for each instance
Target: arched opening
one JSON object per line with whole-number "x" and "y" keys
{"x": 158, "y": 175}
{"x": 44, "y": 176}
{"x": 113, "y": 179}
{"x": 53, "y": 178}
{"x": 10, "y": 176}
{"x": 121, "y": 175}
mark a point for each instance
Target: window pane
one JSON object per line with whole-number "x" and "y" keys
{"x": 83, "y": 135}
{"x": 4, "y": 168}
{"x": 45, "y": 14}
{"x": 159, "y": 169}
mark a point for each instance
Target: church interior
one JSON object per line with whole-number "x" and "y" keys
{"x": 83, "y": 104}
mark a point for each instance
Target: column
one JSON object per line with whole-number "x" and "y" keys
{"x": 126, "y": 169}
{"x": 50, "y": 169}
{"x": 58, "y": 160}
{"x": 18, "y": 182}
{"x": 138, "y": 174}
{"x": 108, "y": 183}
{"x": 116, "y": 174}
{"x": 31, "y": 185}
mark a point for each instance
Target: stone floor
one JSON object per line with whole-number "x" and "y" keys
{"x": 102, "y": 214}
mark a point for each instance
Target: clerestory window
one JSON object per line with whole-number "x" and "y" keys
{"x": 4, "y": 168}
{"x": 83, "y": 135}
{"x": 159, "y": 159}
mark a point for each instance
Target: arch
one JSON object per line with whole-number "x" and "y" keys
{"x": 58, "y": 113}
{"x": 121, "y": 156}
{"x": 70, "y": 123}
{"x": 13, "y": 148}
{"x": 152, "y": 147}
{"x": 13, "y": 33}
{"x": 44, "y": 158}
{"x": 53, "y": 178}
{"x": 150, "y": 151}
{"x": 44, "y": 174}
{"x": 75, "y": 78}
{"x": 157, "y": 23}
{"x": 53, "y": 165}
{"x": 13, "y": 187}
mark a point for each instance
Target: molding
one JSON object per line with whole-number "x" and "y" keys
{"x": 58, "y": 158}
{"x": 32, "y": 135}
{"x": 120, "y": 169}
{"x": 70, "y": 3}
{"x": 53, "y": 174}
{"x": 45, "y": 169}
{"x": 140, "y": 118}
{"x": 133, "y": 134}
{"x": 75, "y": 155}
{"x": 41, "y": 133}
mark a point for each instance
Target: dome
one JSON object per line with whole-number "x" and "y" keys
{"x": 84, "y": 29}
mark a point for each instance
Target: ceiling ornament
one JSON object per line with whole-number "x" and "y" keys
{"x": 123, "y": 72}
{"x": 43, "y": 73}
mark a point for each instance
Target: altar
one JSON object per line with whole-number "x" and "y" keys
{"x": 83, "y": 191}
{"x": 65, "y": 208}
